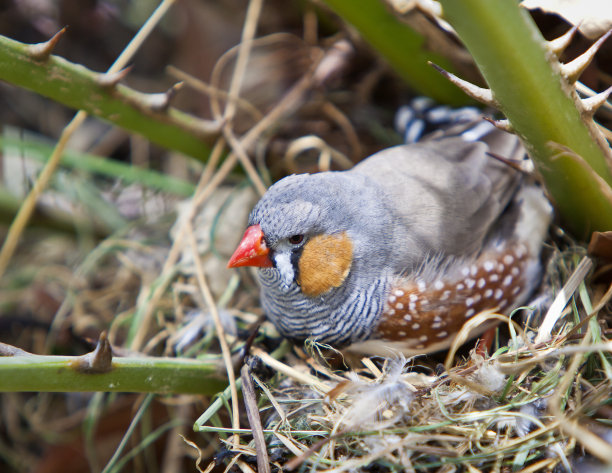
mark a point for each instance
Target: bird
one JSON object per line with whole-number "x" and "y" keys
{"x": 396, "y": 254}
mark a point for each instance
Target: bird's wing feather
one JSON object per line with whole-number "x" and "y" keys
{"x": 447, "y": 193}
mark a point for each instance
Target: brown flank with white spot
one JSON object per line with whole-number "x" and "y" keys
{"x": 429, "y": 312}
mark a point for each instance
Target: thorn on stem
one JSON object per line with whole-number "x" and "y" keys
{"x": 558, "y": 45}
{"x": 42, "y": 51}
{"x": 110, "y": 80}
{"x": 524, "y": 167}
{"x": 480, "y": 94}
{"x": 97, "y": 361}
{"x": 590, "y": 105}
{"x": 574, "y": 69}
{"x": 504, "y": 124}
{"x": 10, "y": 350}
{"x": 161, "y": 102}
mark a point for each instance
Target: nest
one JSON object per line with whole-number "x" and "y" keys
{"x": 529, "y": 404}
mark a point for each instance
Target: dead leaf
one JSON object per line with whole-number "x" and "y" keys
{"x": 593, "y": 17}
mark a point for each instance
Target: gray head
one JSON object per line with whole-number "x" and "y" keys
{"x": 304, "y": 204}
{"x": 324, "y": 203}
{"x": 299, "y": 208}
{"x": 327, "y": 234}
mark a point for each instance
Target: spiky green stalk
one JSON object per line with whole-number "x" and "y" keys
{"x": 26, "y": 372}
{"x": 80, "y": 88}
{"x": 527, "y": 83}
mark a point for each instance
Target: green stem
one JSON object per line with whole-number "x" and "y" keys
{"x": 128, "y": 173}
{"x": 513, "y": 58}
{"x": 77, "y": 87}
{"x": 26, "y": 373}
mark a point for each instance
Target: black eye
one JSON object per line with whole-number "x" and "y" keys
{"x": 296, "y": 239}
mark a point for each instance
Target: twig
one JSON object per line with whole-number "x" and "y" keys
{"x": 250, "y": 402}
{"x": 285, "y": 369}
{"x": 212, "y": 306}
{"x": 244, "y": 51}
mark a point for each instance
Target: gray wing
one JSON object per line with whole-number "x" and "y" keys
{"x": 447, "y": 193}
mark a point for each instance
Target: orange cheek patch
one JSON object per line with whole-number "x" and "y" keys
{"x": 325, "y": 263}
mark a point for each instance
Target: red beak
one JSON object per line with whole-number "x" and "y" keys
{"x": 252, "y": 250}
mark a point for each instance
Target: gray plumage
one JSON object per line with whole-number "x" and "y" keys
{"x": 401, "y": 207}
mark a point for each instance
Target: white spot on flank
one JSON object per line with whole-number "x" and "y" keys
{"x": 507, "y": 280}
{"x": 399, "y": 306}
{"x": 437, "y": 318}
{"x": 414, "y": 297}
{"x": 473, "y": 270}
{"x": 498, "y": 293}
{"x": 515, "y": 271}
{"x": 412, "y": 306}
{"x": 520, "y": 251}
{"x": 508, "y": 259}
{"x": 503, "y": 303}
{"x": 460, "y": 287}
{"x": 442, "y": 334}
{"x": 489, "y": 265}
{"x": 477, "y": 297}
{"x": 421, "y": 285}
{"x": 423, "y": 338}
{"x": 439, "y": 285}
{"x": 416, "y": 326}
{"x": 500, "y": 268}
{"x": 469, "y": 302}
{"x": 470, "y": 312}
{"x": 488, "y": 293}
{"x": 465, "y": 271}
{"x": 494, "y": 277}
{"x": 392, "y": 299}
{"x": 391, "y": 312}
{"x": 407, "y": 317}
{"x": 470, "y": 283}
{"x": 516, "y": 290}
{"x": 401, "y": 333}
{"x": 399, "y": 293}
{"x": 482, "y": 283}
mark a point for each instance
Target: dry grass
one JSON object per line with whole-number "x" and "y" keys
{"x": 538, "y": 402}
{"x": 527, "y": 406}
